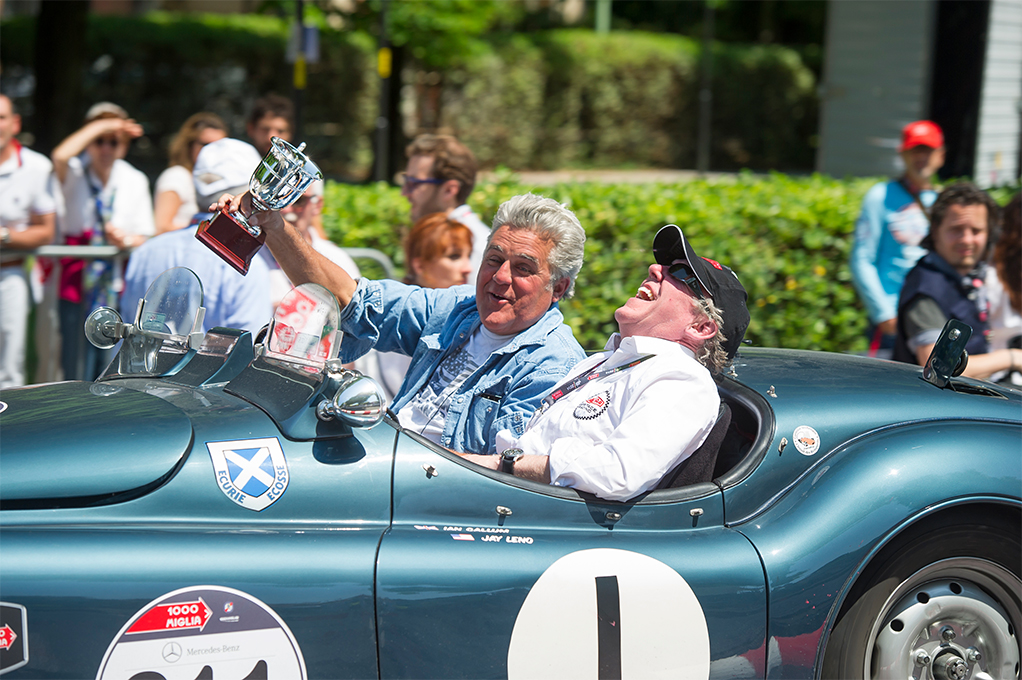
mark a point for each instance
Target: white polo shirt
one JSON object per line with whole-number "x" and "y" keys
{"x": 27, "y": 188}
{"x": 480, "y": 233}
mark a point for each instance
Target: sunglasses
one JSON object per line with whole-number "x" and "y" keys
{"x": 107, "y": 141}
{"x": 684, "y": 273}
{"x": 410, "y": 183}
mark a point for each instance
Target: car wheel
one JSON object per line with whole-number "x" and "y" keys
{"x": 944, "y": 602}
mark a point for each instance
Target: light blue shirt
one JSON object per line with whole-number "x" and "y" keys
{"x": 231, "y": 300}
{"x": 887, "y": 237}
{"x": 427, "y": 324}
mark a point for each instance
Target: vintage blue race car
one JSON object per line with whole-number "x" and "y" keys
{"x": 223, "y": 507}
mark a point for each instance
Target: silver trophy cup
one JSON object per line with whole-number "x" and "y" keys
{"x": 280, "y": 179}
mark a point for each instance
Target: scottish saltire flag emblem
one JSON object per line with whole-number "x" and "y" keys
{"x": 251, "y": 472}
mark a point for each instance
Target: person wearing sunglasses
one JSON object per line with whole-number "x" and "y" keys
{"x": 440, "y": 176}
{"x": 108, "y": 202}
{"x": 622, "y": 419}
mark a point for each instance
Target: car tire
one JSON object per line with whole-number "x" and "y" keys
{"x": 942, "y": 601}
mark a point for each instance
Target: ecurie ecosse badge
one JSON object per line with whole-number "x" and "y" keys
{"x": 251, "y": 472}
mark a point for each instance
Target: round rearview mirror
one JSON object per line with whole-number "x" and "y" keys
{"x": 103, "y": 327}
{"x": 358, "y": 402}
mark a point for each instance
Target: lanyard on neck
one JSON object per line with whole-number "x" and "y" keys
{"x": 99, "y": 233}
{"x": 570, "y": 386}
{"x": 916, "y": 197}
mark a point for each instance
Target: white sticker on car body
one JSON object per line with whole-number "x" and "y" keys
{"x": 609, "y": 613}
{"x": 806, "y": 439}
{"x": 176, "y": 637}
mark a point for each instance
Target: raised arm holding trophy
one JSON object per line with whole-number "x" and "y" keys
{"x": 280, "y": 179}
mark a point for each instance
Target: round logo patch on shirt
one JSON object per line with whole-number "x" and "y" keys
{"x": 594, "y": 406}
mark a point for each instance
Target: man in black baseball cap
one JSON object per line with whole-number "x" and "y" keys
{"x": 673, "y": 251}
{"x": 624, "y": 418}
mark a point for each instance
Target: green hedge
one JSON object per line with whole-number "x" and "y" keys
{"x": 546, "y": 99}
{"x": 787, "y": 238}
{"x": 569, "y": 98}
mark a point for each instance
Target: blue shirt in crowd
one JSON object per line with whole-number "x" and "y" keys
{"x": 231, "y": 300}
{"x": 887, "y": 237}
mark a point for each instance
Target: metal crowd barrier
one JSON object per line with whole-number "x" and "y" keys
{"x": 117, "y": 255}
{"x": 47, "y": 335}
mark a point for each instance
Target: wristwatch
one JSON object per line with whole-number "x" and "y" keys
{"x": 508, "y": 460}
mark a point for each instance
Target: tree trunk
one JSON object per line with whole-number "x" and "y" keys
{"x": 60, "y": 55}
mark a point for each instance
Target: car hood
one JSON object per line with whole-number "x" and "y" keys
{"x": 79, "y": 443}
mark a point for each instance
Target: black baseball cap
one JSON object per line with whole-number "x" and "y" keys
{"x": 722, "y": 284}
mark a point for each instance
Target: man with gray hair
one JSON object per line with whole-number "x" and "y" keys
{"x": 231, "y": 300}
{"x": 623, "y": 419}
{"x": 482, "y": 359}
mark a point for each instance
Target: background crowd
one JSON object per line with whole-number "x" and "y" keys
{"x": 921, "y": 258}
{"x": 87, "y": 193}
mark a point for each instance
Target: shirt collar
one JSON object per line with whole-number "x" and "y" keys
{"x": 14, "y": 162}
{"x": 199, "y": 217}
{"x": 978, "y": 272}
{"x": 643, "y": 344}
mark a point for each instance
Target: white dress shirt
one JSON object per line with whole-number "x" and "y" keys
{"x": 480, "y": 233}
{"x": 618, "y": 435}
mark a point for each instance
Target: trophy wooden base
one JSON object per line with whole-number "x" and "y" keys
{"x": 231, "y": 240}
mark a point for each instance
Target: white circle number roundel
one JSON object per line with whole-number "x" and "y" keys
{"x": 608, "y": 613}
{"x": 207, "y": 632}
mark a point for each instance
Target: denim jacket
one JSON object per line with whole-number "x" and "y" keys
{"x": 428, "y": 324}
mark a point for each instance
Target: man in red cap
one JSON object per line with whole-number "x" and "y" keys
{"x": 893, "y": 222}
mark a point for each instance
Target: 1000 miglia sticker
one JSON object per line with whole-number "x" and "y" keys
{"x": 208, "y": 632}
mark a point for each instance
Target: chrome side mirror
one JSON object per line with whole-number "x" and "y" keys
{"x": 358, "y": 401}
{"x": 104, "y": 328}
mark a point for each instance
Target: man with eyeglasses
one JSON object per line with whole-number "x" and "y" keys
{"x": 440, "y": 176}
{"x": 107, "y": 202}
{"x": 624, "y": 418}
